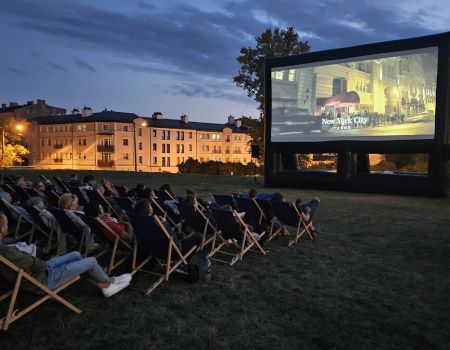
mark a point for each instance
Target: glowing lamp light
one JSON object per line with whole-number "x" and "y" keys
{"x": 19, "y": 127}
{"x": 144, "y": 124}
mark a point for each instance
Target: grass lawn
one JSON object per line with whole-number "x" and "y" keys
{"x": 377, "y": 278}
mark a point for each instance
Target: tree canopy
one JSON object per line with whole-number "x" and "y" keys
{"x": 278, "y": 42}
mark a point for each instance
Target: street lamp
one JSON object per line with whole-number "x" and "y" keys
{"x": 19, "y": 128}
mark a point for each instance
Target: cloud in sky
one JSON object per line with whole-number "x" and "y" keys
{"x": 178, "y": 45}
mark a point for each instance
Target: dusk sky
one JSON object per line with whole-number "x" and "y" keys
{"x": 175, "y": 56}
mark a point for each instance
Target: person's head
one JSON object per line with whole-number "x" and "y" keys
{"x": 3, "y": 226}
{"x": 68, "y": 201}
{"x": 92, "y": 209}
{"x": 39, "y": 185}
{"x": 6, "y": 196}
{"x": 278, "y": 197}
{"x": 89, "y": 180}
{"x": 143, "y": 207}
{"x": 50, "y": 187}
{"x": 252, "y": 193}
{"x": 140, "y": 186}
{"x": 298, "y": 201}
{"x": 168, "y": 188}
{"x": 73, "y": 176}
{"x": 36, "y": 202}
{"x": 189, "y": 200}
{"x": 226, "y": 207}
{"x": 190, "y": 192}
{"x": 20, "y": 181}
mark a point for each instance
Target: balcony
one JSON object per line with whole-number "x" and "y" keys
{"x": 105, "y": 148}
{"x": 103, "y": 163}
{"x": 58, "y": 146}
{"x": 57, "y": 160}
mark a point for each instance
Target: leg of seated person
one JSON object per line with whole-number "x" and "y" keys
{"x": 63, "y": 259}
{"x": 57, "y": 276}
{"x": 313, "y": 204}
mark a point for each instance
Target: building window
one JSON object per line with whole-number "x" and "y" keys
{"x": 154, "y": 133}
{"x": 84, "y": 142}
{"x": 178, "y": 135}
{"x": 79, "y": 155}
{"x": 155, "y": 147}
{"x": 140, "y": 146}
{"x": 154, "y": 160}
{"x": 42, "y": 142}
{"x": 140, "y": 131}
{"x": 168, "y": 134}
{"x": 163, "y": 148}
{"x": 168, "y": 148}
{"x": 190, "y": 134}
{"x": 163, "y": 163}
{"x": 182, "y": 135}
{"x": 168, "y": 161}
{"x": 163, "y": 134}
{"x": 125, "y": 128}
{"x": 140, "y": 159}
{"x": 125, "y": 142}
{"x": 178, "y": 148}
{"x": 182, "y": 148}
{"x": 105, "y": 127}
{"x": 49, "y": 142}
{"x": 190, "y": 148}
{"x": 84, "y": 156}
{"x": 125, "y": 156}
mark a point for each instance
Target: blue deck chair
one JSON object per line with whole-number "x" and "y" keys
{"x": 20, "y": 226}
{"x": 198, "y": 221}
{"x": 233, "y": 228}
{"x": 68, "y": 227}
{"x": 96, "y": 196}
{"x": 224, "y": 199}
{"x": 125, "y": 203}
{"x": 122, "y": 190}
{"x": 83, "y": 198}
{"x": 52, "y": 198}
{"x": 290, "y": 216}
{"x": 153, "y": 240}
{"x": 254, "y": 215}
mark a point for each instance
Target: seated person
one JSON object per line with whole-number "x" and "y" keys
{"x": 19, "y": 210}
{"x": 20, "y": 182}
{"x": 57, "y": 271}
{"x": 124, "y": 230}
{"x": 313, "y": 206}
{"x": 69, "y": 203}
{"x": 100, "y": 189}
{"x": 74, "y": 181}
{"x": 47, "y": 218}
{"x": 262, "y": 236}
{"x": 110, "y": 190}
{"x": 39, "y": 188}
{"x": 89, "y": 182}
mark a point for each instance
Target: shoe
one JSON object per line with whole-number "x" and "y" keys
{"x": 241, "y": 215}
{"x": 182, "y": 269}
{"x": 125, "y": 278}
{"x": 114, "y": 288}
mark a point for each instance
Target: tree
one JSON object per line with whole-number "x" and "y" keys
{"x": 11, "y": 150}
{"x": 256, "y": 132}
{"x": 278, "y": 42}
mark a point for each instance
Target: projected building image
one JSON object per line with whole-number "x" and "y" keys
{"x": 378, "y": 97}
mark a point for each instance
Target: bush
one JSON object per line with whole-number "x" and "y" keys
{"x": 193, "y": 166}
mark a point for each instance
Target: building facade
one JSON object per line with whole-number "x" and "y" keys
{"x": 124, "y": 141}
{"x": 28, "y": 110}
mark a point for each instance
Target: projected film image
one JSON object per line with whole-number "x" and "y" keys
{"x": 378, "y": 97}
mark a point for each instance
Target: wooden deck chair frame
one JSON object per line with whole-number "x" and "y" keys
{"x": 14, "y": 314}
{"x": 301, "y": 227}
{"x": 19, "y": 220}
{"x": 204, "y": 232}
{"x": 248, "y": 242}
{"x": 113, "y": 263}
{"x": 169, "y": 265}
{"x": 61, "y": 184}
{"x": 163, "y": 212}
{"x": 103, "y": 201}
{"x": 228, "y": 199}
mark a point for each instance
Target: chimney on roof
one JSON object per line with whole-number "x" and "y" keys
{"x": 75, "y": 111}
{"x": 86, "y": 111}
{"x": 30, "y": 103}
{"x": 12, "y": 104}
{"x": 230, "y": 119}
{"x": 184, "y": 118}
{"x": 40, "y": 102}
{"x": 157, "y": 115}
{"x": 238, "y": 123}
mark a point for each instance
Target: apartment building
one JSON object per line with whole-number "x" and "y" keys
{"x": 125, "y": 141}
{"x": 29, "y": 110}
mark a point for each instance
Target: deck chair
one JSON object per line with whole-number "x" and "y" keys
{"x": 83, "y": 198}
{"x": 14, "y": 314}
{"x": 96, "y": 196}
{"x": 53, "y": 234}
{"x": 233, "y": 227}
{"x": 52, "y": 198}
{"x": 289, "y": 215}
{"x": 125, "y": 203}
{"x": 198, "y": 221}
{"x": 21, "y": 193}
{"x": 68, "y": 227}
{"x": 115, "y": 246}
{"x": 122, "y": 190}
{"x": 266, "y": 207}
{"x": 153, "y": 240}
{"x": 254, "y": 215}
{"x": 161, "y": 210}
{"x": 223, "y": 199}
{"x": 61, "y": 184}
{"x": 102, "y": 243}
{"x": 21, "y": 227}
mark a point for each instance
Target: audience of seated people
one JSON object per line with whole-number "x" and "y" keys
{"x": 88, "y": 182}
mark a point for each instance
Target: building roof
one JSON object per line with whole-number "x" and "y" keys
{"x": 111, "y": 116}
{"x": 105, "y": 116}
